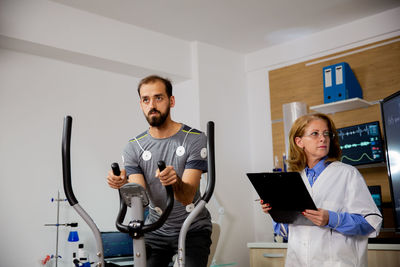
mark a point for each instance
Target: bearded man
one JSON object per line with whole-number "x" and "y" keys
{"x": 184, "y": 150}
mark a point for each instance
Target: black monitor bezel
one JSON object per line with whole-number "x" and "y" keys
{"x": 382, "y": 102}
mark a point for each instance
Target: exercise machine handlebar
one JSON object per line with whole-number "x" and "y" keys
{"x": 204, "y": 199}
{"x": 210, "y": 161}
{"x": 66, "y": 159}
{"x": 66, "y": 165}
{"x": 123, "y": 207}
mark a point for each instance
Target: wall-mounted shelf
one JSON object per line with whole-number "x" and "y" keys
{"x": 338, "y": 106}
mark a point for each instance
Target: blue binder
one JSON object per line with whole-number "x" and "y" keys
{"x": 340, "y": 83}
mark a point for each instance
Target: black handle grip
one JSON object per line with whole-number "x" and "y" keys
{"x": 161, "y": 165}
{"x": 115, "y": 169}
{"x": 66, "y": 161}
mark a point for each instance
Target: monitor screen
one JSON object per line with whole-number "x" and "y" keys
{"x": 361, "y": 144}
{"x": 376, "y": 194}
{"x": 116, "y": 244}
{"x": 390, "y": 108}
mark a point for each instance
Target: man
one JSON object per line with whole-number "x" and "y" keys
{"x": 184, "y": 151}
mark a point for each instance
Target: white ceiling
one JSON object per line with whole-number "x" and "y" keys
{"x": 240, "y": 25}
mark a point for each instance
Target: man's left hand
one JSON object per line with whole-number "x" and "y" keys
{"x": 168, "y": 176}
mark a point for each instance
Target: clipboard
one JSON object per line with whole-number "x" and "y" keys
{"x": 285, "y": 192}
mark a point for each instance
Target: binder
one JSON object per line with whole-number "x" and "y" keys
{"x": 340, "y": 83}
{"x": 328, "y": 84}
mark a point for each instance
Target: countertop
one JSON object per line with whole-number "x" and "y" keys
{"x": 284, "y": 245}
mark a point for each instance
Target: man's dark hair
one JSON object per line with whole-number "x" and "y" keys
{"x": 155, "y": 78}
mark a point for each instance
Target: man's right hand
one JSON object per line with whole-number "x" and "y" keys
{"x": 116, "y": 181}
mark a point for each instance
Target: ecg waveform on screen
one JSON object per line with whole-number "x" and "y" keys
{"x": 359, "y": 159}
{"x": 359, "y": 131}
{"x": 375, "y": 151}
{"x": 347, "y": 146}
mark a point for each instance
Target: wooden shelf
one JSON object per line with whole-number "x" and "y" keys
{"x": 348, "y": 104}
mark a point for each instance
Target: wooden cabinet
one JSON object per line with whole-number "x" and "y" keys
{"x": 267, "y": 254}
{"x": 267, "y": 257}
{"x": 387, "y": 258}
{"x": 273, "y": 255}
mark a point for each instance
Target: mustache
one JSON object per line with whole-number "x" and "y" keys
{"x": 153, "y": 111}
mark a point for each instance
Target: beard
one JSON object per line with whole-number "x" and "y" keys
{"x": 157, "y": 121}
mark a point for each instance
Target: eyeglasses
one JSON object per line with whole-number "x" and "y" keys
{"x": 316, "y": 135}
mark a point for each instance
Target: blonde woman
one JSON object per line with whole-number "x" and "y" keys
{"x": 346, "y": 215}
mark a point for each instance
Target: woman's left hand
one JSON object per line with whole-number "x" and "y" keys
{"x": 319, "y": 217}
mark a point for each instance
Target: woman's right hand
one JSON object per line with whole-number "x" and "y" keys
{"x": 116, "y": 181}
{"x": 265, "y": 207}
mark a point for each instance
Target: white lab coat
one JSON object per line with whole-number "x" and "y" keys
{"x": 339, "y": 188}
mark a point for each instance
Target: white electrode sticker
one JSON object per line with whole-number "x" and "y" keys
{"x": 146, "y": 155}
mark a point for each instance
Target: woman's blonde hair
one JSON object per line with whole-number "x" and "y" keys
{"x": 297, "y": 159}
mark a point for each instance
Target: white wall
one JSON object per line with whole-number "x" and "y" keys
{"x": 223, "y": 100}
{"x": 364, "y": 31}
{"x": 50, "y": 29}
{"x": 258, "y": 64}
{"x": 260, "y": 132}
{"x": 187, "y": 104}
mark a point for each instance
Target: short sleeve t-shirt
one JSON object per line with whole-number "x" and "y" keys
{"x": 187, "y": 149}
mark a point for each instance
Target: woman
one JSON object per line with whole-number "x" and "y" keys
{"x": 346, "y": 215}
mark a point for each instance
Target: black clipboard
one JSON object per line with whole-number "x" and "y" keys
{"x": 285, "y": 192}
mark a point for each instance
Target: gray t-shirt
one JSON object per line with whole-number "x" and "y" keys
{"x": 187, "y": 149}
